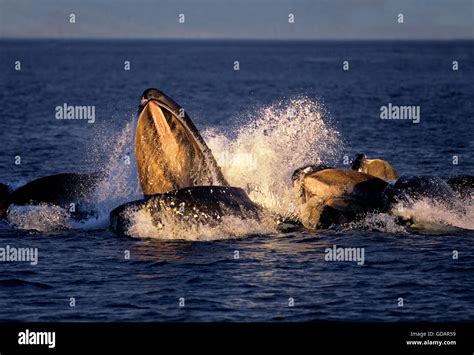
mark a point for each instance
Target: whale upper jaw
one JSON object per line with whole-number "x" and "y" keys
{"x": 161, "y": 98}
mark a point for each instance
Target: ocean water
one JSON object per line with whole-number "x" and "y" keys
{"x": 290, "y": 103}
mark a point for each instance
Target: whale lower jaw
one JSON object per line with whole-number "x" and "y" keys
{"x": 194, "y": 205}
{"x": 169, "y": 151}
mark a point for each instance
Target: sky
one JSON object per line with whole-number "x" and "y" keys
{"x": 238, "y": 19}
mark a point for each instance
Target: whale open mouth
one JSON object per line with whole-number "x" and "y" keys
{"x": 170, "y": 152}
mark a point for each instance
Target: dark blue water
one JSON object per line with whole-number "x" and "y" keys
{"x": 89, "y": 264}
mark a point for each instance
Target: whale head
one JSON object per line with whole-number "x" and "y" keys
{"x": 170, "y": 152}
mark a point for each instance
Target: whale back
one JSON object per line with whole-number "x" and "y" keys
{"x": 463, "y": 185}
{"x": 60, "y": 189}
{"x": 169, "y": 150}
{"x": 56, "y": 189}
{"x": 409, "y": 189}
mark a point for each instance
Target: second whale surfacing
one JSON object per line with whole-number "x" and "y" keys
{"x": 329, "y": 196}
{"x": 63, "y": 190}
{"x": 178, "y": 173}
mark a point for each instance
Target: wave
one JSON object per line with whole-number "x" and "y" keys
{"x": 14, "y": 282}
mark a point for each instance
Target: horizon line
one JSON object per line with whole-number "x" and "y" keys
{"x": 246, "y": 39}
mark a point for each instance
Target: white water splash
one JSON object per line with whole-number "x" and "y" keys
{"x": 120, "y": 182}
{"x": 425, "y": 215}
{"x": 41, "y": 218}
{"x": 274, "y": 142}
{"x": 119, "y": 185}
{"x": 175, "y": 228}
{"x": 381, "y": 222}
{"x": 429, "y": 214}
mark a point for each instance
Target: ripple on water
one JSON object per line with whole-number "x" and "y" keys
{"x": 13, "y": 282}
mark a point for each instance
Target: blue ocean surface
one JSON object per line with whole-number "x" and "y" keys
{"x": 290, "y": 103}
